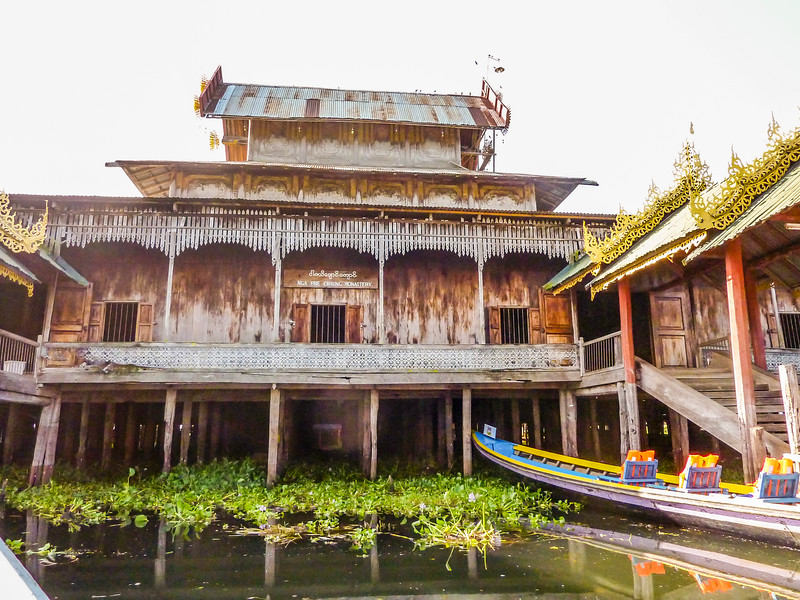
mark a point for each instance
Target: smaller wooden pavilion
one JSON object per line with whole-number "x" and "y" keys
{"x": 695, "y": 251}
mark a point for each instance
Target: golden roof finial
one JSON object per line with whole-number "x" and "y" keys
{"x": 16, "y": 236}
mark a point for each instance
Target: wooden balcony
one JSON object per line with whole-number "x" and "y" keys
{"x": 307, "y": 364}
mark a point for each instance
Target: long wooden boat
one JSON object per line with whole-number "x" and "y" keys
{"x": 734, "y": 510}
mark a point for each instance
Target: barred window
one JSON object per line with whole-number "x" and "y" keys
{"x": 514, "y": 326}
{"x": 327, "y": 323}
{"x": 790, "y": 323}
{"x": 120, "y": 321}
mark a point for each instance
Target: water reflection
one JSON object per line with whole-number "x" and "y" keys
{"x": 608, "y": 558}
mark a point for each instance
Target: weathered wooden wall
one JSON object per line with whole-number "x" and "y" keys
{"x": 124, "y": 273}
{"x": 431, "y": 298}
{"x": 222, "y": 294}
{"x": 516, "y": 279}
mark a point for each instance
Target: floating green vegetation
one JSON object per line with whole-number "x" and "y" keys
{"x": 443, "y": 509}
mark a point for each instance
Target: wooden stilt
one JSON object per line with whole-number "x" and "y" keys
{"x": 754, "y": 320}
{"x": 448, "y": 429}
{"x": 286, "y": 428}
{"x": 569, "y": 421}
{"x": 108, "y": 435}
{"x": 516, "y": 430}
{"x": 440, "y": 451}
{"x": 70, "y": 432}
{"x": 366, "y": 442}
{"x": 83, "y": 436}
{"x": 374, "y": 401}
{"x": 45, "y": 449}
{"x": 791, "y": 404}
{"x": 425, "y": 438}
{"x": 169, "y": 426}
{"x": 740, "y": 354}
{"x": 150, "y": 428}
{"x": 131, "y": 429}
{"x": 275, "y": 399}
{"x": 466, "y": 430}
{"x": 202, "y": 429}
{"x": 537, "y": 422}
{"x": 598, "y": 452}
{"x": 679, "y": 433}
{"x": 758, "y": 446}
{"x": 186, "y": 431}
{"x": 624, "y": 433}
{"x": 216, "y": 426}
{"x": 10, "y": 437}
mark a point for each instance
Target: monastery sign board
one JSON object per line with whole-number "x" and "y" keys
{"x": 327, "y": 278}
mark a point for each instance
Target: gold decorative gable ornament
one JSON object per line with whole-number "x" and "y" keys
{"x": 746, "y": 182}
{"x": 16, "y": 236}
{"x": 691, "y": 178}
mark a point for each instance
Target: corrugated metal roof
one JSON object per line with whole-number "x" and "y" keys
{"x": 246, "y": 101}
{"x": 781, "y": 196}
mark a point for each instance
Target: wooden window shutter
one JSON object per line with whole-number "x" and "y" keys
{"x": 557, "y": 317}
{"x": 301, "y": 331}
{"x": 354, "y": 317}
{"x": 96, "y": 316}
{"x": 534, "y": 326}
{"x": 494, "y": 325}
{"x": 144, "y": 322}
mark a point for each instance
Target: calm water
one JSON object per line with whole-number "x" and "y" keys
{"x": 621, "y": 560}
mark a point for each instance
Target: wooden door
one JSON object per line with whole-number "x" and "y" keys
{"x": 353, "y": 319}
{"x": 670, "y": 318}
{"x": 301, "y": 330}
{"x": 556, "y": 317}
{"x": 70, "y": 321}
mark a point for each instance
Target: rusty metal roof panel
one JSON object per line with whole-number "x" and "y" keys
{"x": 279, "y": 102}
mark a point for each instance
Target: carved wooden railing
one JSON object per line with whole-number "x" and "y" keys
{"x": 17, "y": 354}
{"x": 602, "y": 353}
{"x": 320, "y": 357}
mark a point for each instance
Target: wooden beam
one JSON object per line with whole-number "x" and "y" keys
{"x": 366, "y": 442}
{"x": 45, "y": 448}
{"x": 740, "y": 353}
{"x": 275, "y": 400}
{"x": 83, "y": 436}
{"x": 537, "y": 422}
{"x": 762, "y": 261}
{"x": 10, "y": 437}
{"x": 679, "y": 435}
{"x": 466, "y": 430}
{"x": 169, "y": 426}
{"x": 186, "y": 431}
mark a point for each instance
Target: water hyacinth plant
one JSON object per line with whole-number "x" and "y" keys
{"x": 312, "y": 501}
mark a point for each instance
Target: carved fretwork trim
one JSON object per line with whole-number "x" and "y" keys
{"x": 691, "y": 178}
{"x": 746, "y": 182}
{"x": 16, "y": 277}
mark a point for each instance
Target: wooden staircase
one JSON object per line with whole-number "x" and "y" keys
{"x": 718, "y": 384}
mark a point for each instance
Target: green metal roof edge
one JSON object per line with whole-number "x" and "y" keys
{"x": 63, "y": 266}
{"x": 572, "y": 271}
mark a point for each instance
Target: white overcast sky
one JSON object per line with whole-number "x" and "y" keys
{"x": 598, "y": 89}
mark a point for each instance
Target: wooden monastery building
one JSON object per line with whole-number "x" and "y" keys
{"x": 353, "y": 282}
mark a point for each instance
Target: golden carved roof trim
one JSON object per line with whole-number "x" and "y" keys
{"x": 15, "y": 235}
{"x": 684, "y": 246}
{"x": 16, "y": 277}
{"x": 746, "y": 182}
{"x": 691, "y": 178}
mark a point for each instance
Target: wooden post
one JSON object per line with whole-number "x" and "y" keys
{"x": 216, "y": 425}
{"x": 150, "y": 428}
{"x": 108, "y": 435}
{"x": 679, "y": 433}
{"x": 374, "y": 401}
{"x": 569, "y": 421}
{"x": 466, "y": 430}
{"x": 624, "y": 433}
{"x": 202, "y": 428}
{"x": 440, "y": 451}
{"x": 186, "y": 430}
{"x": 366, "y": 442}
{"x": 759, "y": 449}
{"x": 83, "y": 436}
{"x": 791, "y": 405}
{"x": 275, "y": 399}
{"x": 10, "y": 438}
{"x": 131, "y": 431}
{"x": 45, "y": 449}
{"x": 740, "y": 354}
{"x": 595, "y": 429}
{"x": 448, "y": 429}
{"x": 537, "y": 422}
{"x": 630, "y": 426}
{"x": 754, "y": 318}
{"x": 169, "y": 426}
{"x": 516, "y": 432}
